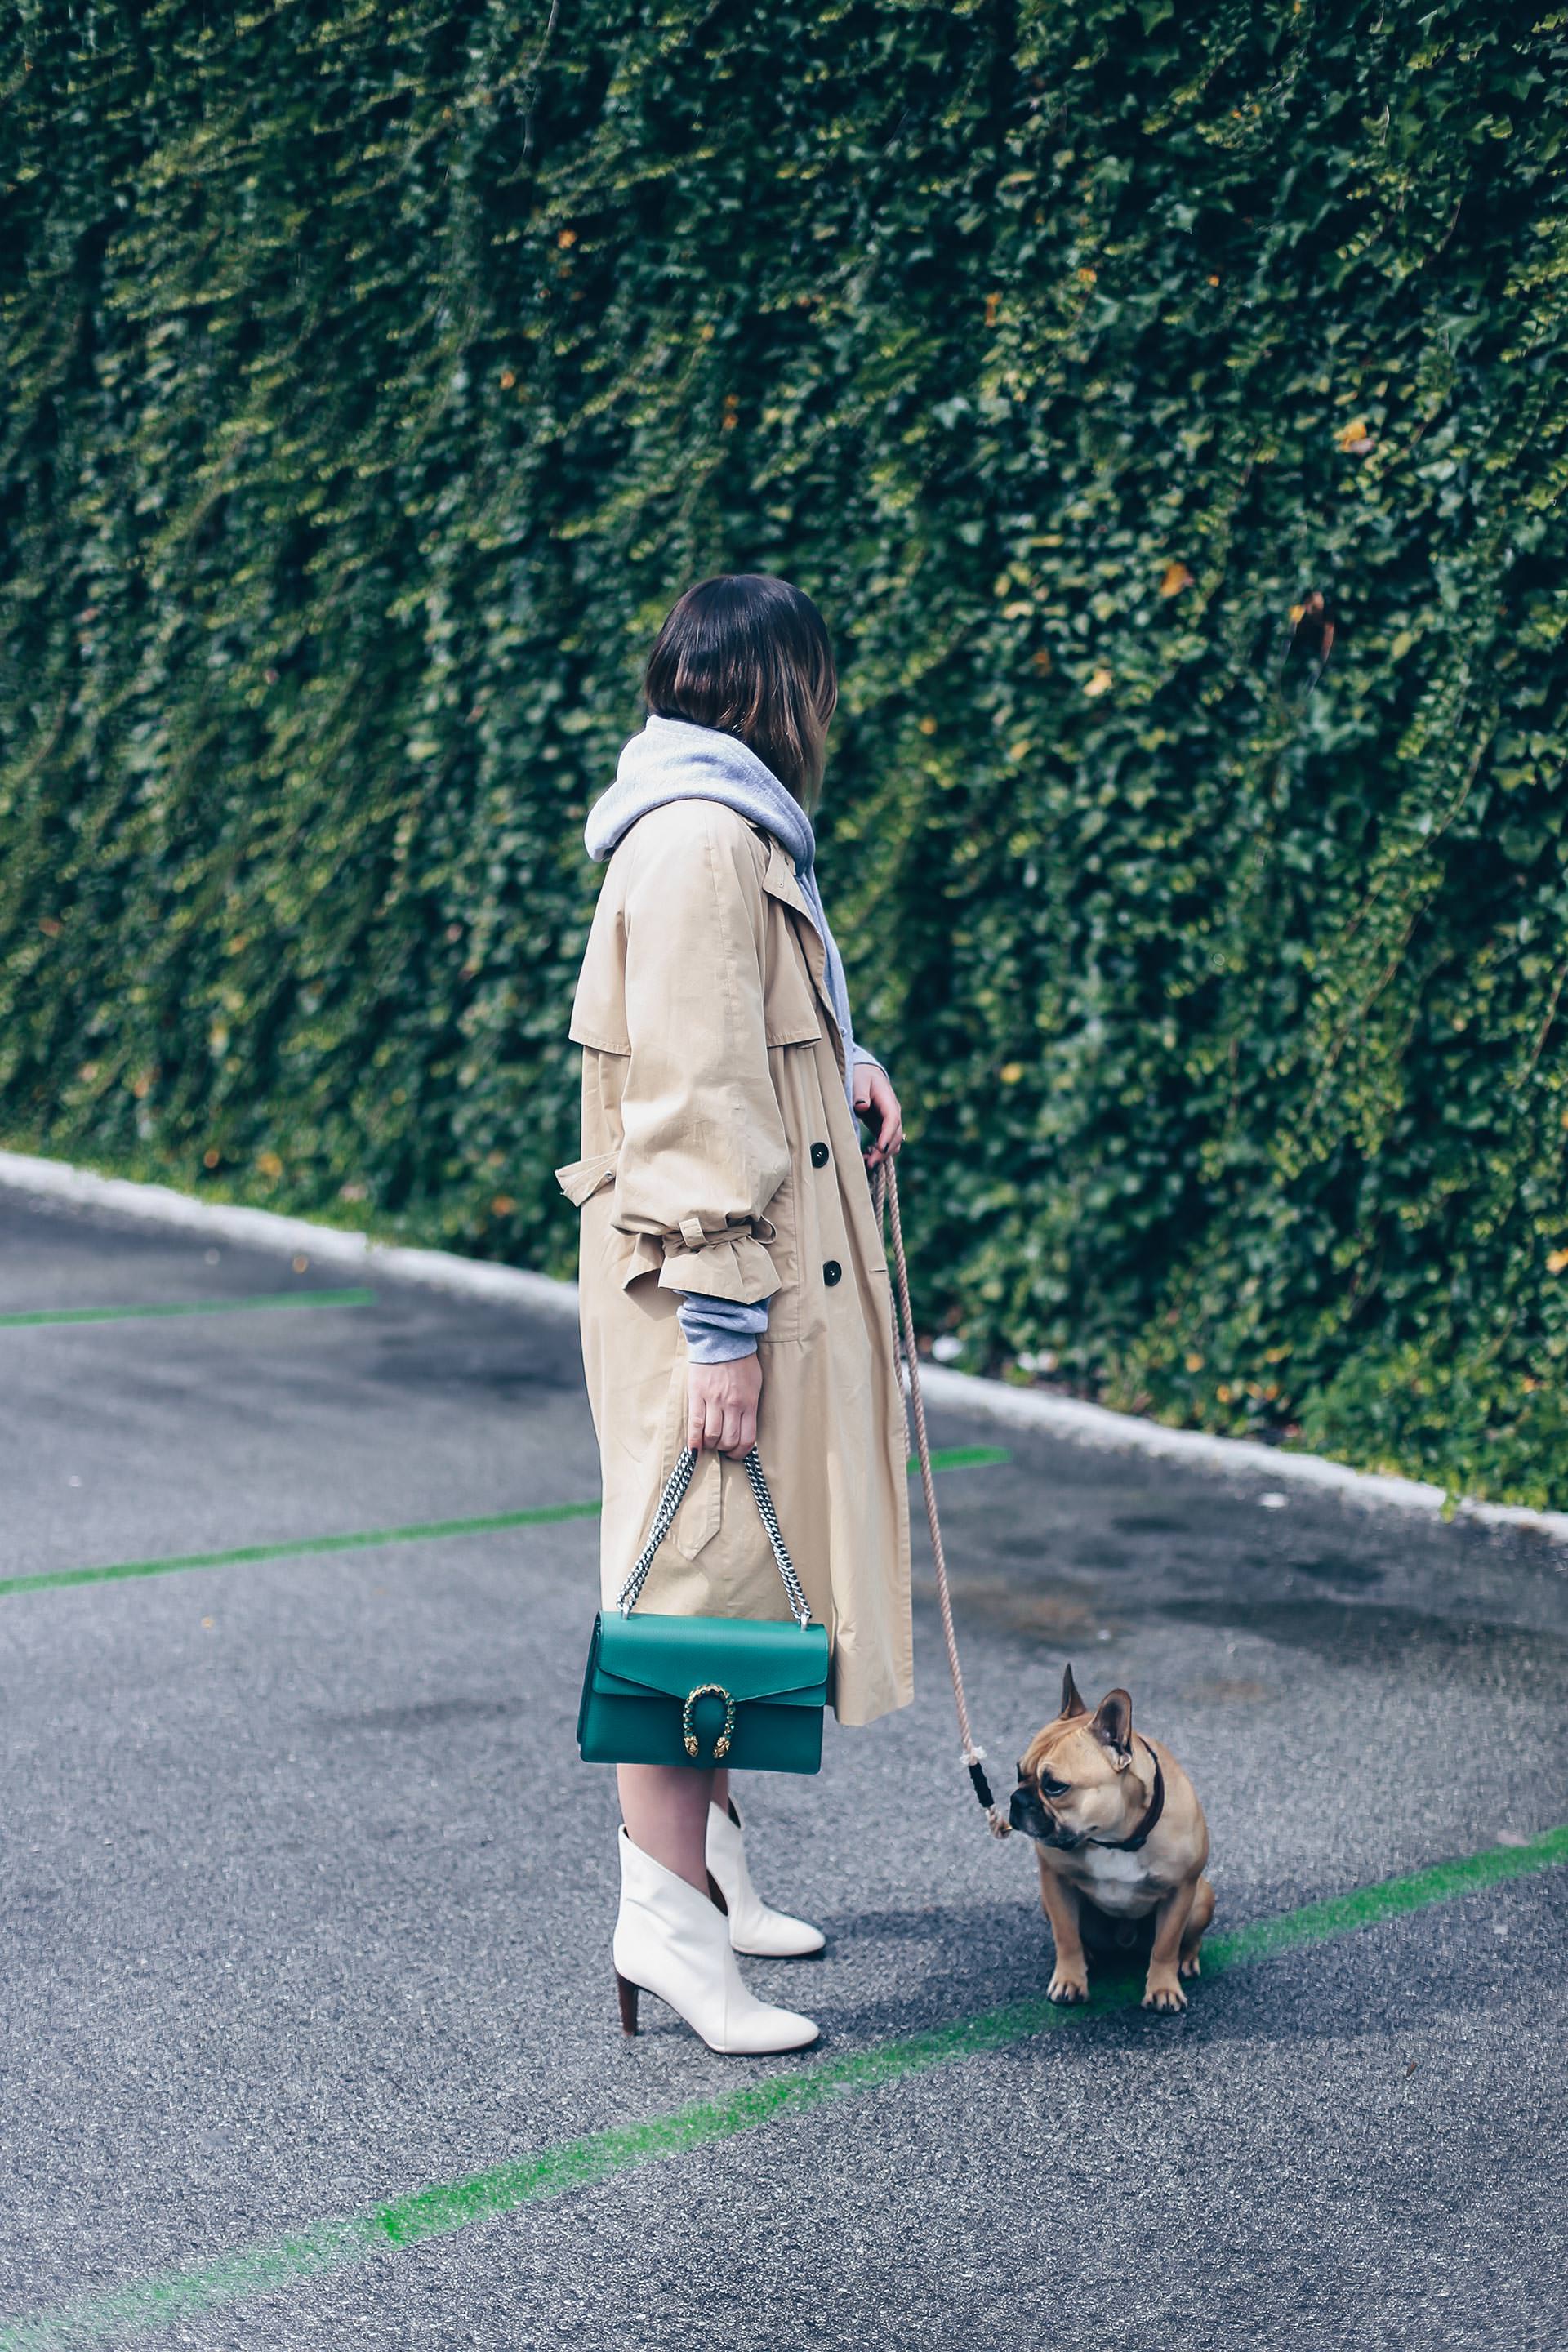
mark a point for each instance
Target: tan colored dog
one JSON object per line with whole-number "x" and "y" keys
{"x": 1121, "y": 1838}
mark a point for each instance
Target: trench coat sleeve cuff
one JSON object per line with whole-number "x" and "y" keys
{"x": 734, "y": 1265}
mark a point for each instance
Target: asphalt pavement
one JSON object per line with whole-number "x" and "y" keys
{"x": 308, "y": 2035}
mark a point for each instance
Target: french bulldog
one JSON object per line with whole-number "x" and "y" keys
{"x": 1121, "y": 1840}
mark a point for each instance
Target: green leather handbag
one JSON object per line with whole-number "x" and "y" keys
{"x": 706, "y": 1690}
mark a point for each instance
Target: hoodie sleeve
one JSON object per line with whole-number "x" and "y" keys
{"x": 704, "y": 1146}
{"x": 718, "y": 1330}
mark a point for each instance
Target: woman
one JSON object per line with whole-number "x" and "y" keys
{"x": 733, "y": 1283}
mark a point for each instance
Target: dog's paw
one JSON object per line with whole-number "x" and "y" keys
{"x": 1067, "y": 1988}
{"x": 1164, "y": 1993}
{"x": 1191, "y": 1964}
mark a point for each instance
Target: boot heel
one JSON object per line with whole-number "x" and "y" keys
{"x": 670, "y": 1941}
{"x": 717, "y": 1893}
{"x": 627, "y": 1994}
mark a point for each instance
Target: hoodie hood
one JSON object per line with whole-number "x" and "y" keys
{"x": 674, "y": 760}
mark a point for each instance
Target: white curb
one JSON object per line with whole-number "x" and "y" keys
{"x": 1094, "y": 1425}
{"x": 1065, "y": 1417}
{"x": 158, "y": 1204}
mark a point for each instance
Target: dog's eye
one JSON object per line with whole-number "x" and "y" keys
{"x": 1049, "y": 1788}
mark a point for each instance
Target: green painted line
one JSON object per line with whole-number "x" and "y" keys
{"x": 963, "y": 1458}
{"x": 365, "y": 1539}
{"x": 435, "y": 2212}
{"x": 190, "y": 1307}
{"x": 957, "y": 1457}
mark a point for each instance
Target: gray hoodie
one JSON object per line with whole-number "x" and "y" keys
{"x": 673, "y": 760}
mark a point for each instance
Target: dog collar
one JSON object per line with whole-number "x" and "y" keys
{"x": 1155, "y": 1808}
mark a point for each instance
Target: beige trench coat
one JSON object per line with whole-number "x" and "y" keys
{"x": 719, "y": 1154}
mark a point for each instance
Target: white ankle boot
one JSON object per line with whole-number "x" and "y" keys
{"x": 672, "y": 1941}
{"x": 755, "y": 1925}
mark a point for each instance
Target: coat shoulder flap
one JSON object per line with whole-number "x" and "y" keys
{"x": 599, "y": 1005}
{"x": 791, "y": 1012}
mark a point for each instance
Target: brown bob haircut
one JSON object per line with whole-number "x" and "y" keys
{"x": 750, "y": 655}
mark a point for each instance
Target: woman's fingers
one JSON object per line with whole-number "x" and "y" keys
{"x": 882, "y": 1104}
{"x": 704, "y": 1418}
{"x": 888, "y": 1139}
{"x": 740, "y": 1429}
{"x": 721, "y": 1405}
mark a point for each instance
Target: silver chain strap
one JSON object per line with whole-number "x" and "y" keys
{"x": 669, "y": 1502}
{"x": 800, "y": 1607}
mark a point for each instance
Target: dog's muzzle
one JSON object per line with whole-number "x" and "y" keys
{"x": 1030, "y": 1819}
{"x": 1026, "y": 1813}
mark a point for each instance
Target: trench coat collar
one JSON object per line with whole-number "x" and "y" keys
{"x": 779, "y": 876}
{"x": 780, "y": 882}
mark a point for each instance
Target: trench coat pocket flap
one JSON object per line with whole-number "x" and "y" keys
{"x": 701, "y": 1515}
{"x": 580, "y": 1179}
{"x": 786, "y": 1664}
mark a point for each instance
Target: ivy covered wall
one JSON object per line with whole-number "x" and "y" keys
{"x": 1166, "y": 405}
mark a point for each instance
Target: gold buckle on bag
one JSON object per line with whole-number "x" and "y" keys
{"x": 721, "y": 1745}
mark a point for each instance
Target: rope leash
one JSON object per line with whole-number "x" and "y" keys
{"x": 885, "y": 1192}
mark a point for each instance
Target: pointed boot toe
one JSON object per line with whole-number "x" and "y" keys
{"x": 756, "y": 1928}
{"x": 772, "y": 2029}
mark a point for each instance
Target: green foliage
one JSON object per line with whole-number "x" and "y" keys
{"x": 1167, "y": 407}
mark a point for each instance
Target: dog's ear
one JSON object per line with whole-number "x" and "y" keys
{"x": 1113, "y": 1726}
{"x": 1072, "y": 1698}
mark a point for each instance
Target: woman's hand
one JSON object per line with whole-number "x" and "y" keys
{"x": 721, "y": 1405}
{"x": 875, "y": 1102}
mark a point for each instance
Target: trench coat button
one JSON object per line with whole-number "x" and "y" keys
{"x": 832, "y": 1272}
{"x": 819, "y": 1155}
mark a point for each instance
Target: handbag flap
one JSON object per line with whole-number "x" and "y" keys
{"x": 672, "y": 1656}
